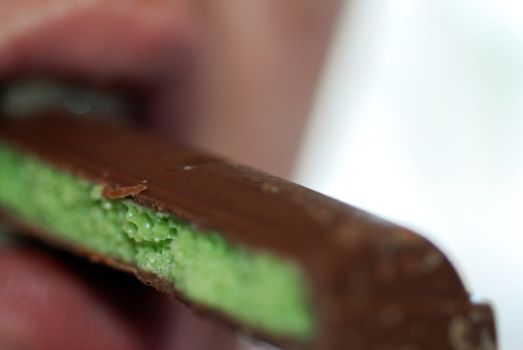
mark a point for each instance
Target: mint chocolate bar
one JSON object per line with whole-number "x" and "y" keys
{"x": 272, "y": 258}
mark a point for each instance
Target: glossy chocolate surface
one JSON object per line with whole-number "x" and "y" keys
{"x": 374, "y": 284}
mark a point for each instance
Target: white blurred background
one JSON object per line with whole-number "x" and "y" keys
{"x": 420, "y": 120}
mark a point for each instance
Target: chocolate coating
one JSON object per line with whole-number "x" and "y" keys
{"x": 375, "y": 285}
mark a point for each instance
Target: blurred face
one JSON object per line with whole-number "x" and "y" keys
{"x": 233, "y": 76}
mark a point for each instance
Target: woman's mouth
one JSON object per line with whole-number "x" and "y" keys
{"x": 99, "y": 60}
{"x": 235, "y": 79}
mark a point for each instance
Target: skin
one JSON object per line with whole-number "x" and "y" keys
{"x": 248, "y": 70}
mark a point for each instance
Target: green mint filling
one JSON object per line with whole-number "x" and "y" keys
{"x": 256, "y": 288}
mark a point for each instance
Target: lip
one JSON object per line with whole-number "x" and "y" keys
{"x": 144, "y": 49}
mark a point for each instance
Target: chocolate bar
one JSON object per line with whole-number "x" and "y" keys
{"x": 272, "y": 258}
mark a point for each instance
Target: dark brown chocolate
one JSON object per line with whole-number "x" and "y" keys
{"x": 375, "y": 285}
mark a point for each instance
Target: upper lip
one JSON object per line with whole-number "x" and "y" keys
{"x": 101, "y": 44}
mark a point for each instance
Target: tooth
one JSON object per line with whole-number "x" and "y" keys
{"x": 25, "y": 98}
{"x": 84, "y": 101}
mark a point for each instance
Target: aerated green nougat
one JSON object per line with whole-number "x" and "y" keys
{"x": 252, "y": 287}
